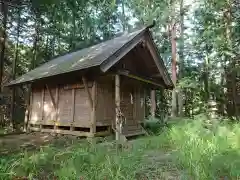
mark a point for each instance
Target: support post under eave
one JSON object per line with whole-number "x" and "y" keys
{"x": 117, "y": 102}
{"x": 28, "y": 108}
{"x": 57, "y": 108}
{"x": 93, "y": 114}
{"x": 42, "y": 107}
{"x": 92, "y": 102}
{"x": 153, "y": 103}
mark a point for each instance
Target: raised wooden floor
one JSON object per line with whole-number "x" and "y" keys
{"x": 85, "y": 132}
{"x": 68, "y": 130}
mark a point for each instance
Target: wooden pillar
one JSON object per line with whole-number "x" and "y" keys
{"x": 56, "y": 108}
{"x": 144, "y": 103}
{"x": 55, "y": 103}
{"x": 93, "y": 113}
{"x": 92, "y": 102}
{"x": 73, "y": 108}
{"x": 153, "y": 103}
{"x": 117, "y": 102}
{"x": 42, "y": 109}
{"x": 136, "y": 100}
{"x": 88, "y": 92}
{"x": 28, "y": 109}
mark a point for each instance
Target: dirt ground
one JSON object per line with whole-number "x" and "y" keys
{"x": 12, "y": 143}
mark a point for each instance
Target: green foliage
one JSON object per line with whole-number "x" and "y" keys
{"x": 207, "y": 153}
{"x": 154, "y": 125}
{"x": 189, "y": 149}
{"x": 210, "y": 41}
{"x": 52, "y": 28}
{"x": 84, "y": 160}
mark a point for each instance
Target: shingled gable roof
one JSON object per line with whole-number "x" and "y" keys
{"x": 103, "y": 54}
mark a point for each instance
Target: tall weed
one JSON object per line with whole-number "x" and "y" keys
{"x": 207, "y": 152}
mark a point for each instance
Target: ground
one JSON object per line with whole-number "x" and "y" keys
{"x": 17, "y": 142}
{"x": 31, "y": 143}
{"x": 186, "y": 150}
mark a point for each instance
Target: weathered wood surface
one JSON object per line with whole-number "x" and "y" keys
{"x": 90, "y": 100}
{"x": 82, "y": 113}
{"x": 65, "y": 107}
{"x": 57, "y": 106}
{"x": 36, "y": 107}
{"x": 105, "y": 111}
{"x": 118, "y": 122}
{"x": 94, "y": 104}
{"x": 49, "y": 111}
{"x": 74, "y": 110}
{"x": 73, "y": 107}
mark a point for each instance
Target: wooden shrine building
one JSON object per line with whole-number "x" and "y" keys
{"x": 96, "y": 90}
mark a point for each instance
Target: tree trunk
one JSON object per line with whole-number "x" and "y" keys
{"x": 3, "y": 37}
{"x": 206, "y": 79}
{"x": 123, "y": 17}
{"x": 181, "y": 59}
{"x": 72, "y": 44}
{"x": 174, "y": 69}
{"x": 14, "y": 67}
{"x": 55, "y": 30}
{"x": 35, "y": 42}
{"x": 229, "y": 68}
{"x": 4, "y": 12}
{"x": 33, "y": 63}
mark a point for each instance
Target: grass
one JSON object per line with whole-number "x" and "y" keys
{"x": 187, "y": 149}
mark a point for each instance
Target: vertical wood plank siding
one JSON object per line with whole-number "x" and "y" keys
{"x": 49, "y": 114}
{"x": 75, "y": 111}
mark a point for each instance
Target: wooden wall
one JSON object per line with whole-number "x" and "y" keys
{"x": 36, "y": 106}
{"x": 49, "y": 113}
{"x": 73, "y": 108}
{"x": 105, "y": 113}
{"x": 82, "y": 109}
{"x": 132, "y": 105}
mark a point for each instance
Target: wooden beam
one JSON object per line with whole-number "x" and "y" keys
{"x": 88, "y": 92}
{"x": 117, "y": 102}
{"x": 52, "y": 98}
{"x": 76, "y": 86}
{"x": 73, "y": 108}
{"x": 106, "y": 65}
{"x": 75, "y": 133}
{"x": 34, "y": 129}
{"x": 93, "y": 113}
{"x": 126, "y": 73}
{"x": 158, "y": 60}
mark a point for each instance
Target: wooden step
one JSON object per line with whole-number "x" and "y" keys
{"x": 134, "y": 133}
